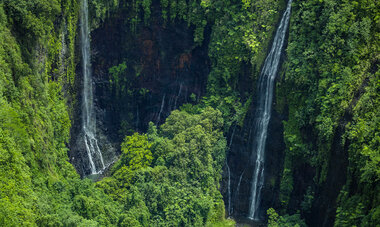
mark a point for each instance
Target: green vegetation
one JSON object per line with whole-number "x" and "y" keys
{"x": 170, "y": 175}
{"x": 37, "y": 184}
{"x": 275, "y": 220}
{"x": 331, "y": 85}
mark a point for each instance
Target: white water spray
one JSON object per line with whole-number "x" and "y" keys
{"x": 263, "y": 114}
{"x": 229, "y": 189}
{"x": 161, "y": 109}
{"x": 88, "y": 115}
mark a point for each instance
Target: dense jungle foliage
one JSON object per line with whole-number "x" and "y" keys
{"x": 331, "y": 84}
{"x": 328, "y": 88}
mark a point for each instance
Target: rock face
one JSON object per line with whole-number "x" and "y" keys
{"x": 164, "y": 69}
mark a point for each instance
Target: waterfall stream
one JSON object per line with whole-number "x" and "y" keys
{"x": 263, "y": 113}
{"x": 229, "y": 211}
{"x": 95, "y": 156}
{"x": 161, "y": 109}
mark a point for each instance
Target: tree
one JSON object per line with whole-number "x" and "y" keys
{"x": 136, "y": 152}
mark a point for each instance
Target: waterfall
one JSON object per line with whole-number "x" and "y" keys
{"x": 95, "y": 157}
{"x": 161, "y": 109}
{"x": 232, "y": 137}
{"x": 229, "y": 188}
{"x": 176, "y": 98}
{"x": 263, "y": 114}
{"x": 230, "y": 202}
{"x": 137, "y": 117}
{"x": 236, "y": 196}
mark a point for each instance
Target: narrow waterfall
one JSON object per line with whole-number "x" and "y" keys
{"x": 238, "y": 187}
{"x": 176, "y": 98}
{"x": 229, "y": 189}
{"x": 263, "y": 113}
{"x": 230, "y": 204}
{"x": 95, "y": 157}
{"x": 161, "y": 109}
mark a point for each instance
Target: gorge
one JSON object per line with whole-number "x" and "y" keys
{"x": 189, "y": 113}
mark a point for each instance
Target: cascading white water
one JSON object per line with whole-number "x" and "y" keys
{"x": 88, "y": 115}
{"x": 176, "y": 98}
{"x": 263, "y": 114}
{"x": 230, "y": 204}
{"x": 161, "y": 109}
{"x": 229, "y": 189}
{"x": 238, "y": 187}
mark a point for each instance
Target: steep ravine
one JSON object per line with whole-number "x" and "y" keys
{"x": 82, "y": 81}
{"x": 163, "y": 70}
{"x": 142, "y": 75}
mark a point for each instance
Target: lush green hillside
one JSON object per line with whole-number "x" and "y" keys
{"x": 331, "y": 88}
{"x": 171, "y": 175}
{"x": 38, "y": 184}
